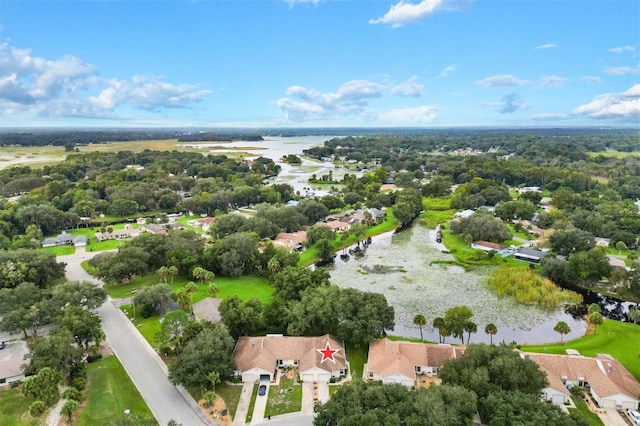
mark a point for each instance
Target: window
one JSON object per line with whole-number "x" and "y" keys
{"x": 371, "y": 374}
{"x": 417, "y": 368}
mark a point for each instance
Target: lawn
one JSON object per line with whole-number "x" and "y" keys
{"x": 109, "y": 393}
{"x": 231, "y": 395}
{"x": 582, "y": 411}
{"x": 252, "y": 403}
{"x": 95, "y": 245}
{"x": 357, "y": 357}
{"x": 284, "y": 398}
{"x": 244, "y": 287}
{"x": 618, "y": 339}
{"x": 60, "y": 250}
{"x": 148, "y": 327}
{"x": 14, "y": 409}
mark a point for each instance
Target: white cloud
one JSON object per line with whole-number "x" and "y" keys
{"x": 403, "y": 13}
{"x": 405, "y": 116}
{"x": 350, "y": 98}
{"x": 410, "y": 88}
{"x": 545, "y": 46}
{"x": 447, "y": 70}
{"x": 550, "y": 117}
{"x": 622, "y": 49}
{"x": 502, "y": 80}
{"x": 292, "y": 3}
{"x": 622, "y": 70}
{"x": 623, "y": 105}
{"x": 591, "y": 79}
{"x": 36, "y": 86}
{"x": 552, "y": 81}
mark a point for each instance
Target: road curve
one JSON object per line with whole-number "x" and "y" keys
{"x": 144, "y": 366}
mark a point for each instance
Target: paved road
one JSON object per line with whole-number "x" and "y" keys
{"x": 146, "y": 369}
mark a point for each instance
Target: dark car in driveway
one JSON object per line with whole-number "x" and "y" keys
{"x": 262, "y": 390}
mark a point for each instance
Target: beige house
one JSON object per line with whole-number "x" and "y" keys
{"x": 610, "y": 384}
{"x": 406, "y": 362}
{"x": 318, "y": 359}
{"x": 335, "y": 225}
{"x": 118, "y": 234}
{"x": 290, "y": 240}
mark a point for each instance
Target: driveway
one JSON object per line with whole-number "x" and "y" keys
{"x": 307, "y": 398}
{"x": 323, "y": 392}
{"x": 144, "y": 366}
{"x": 243, "y": 405}
{"x": 611, "y": 417}
{"x": 260, "y": 406}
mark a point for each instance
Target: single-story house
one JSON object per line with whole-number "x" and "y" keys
{"x": 118, "y": 234}
{"x": 404, "y": 362}
{"x": 207, "y": 309}
{"x": 155, "y": 229}
{"x": 528, "y": 189}
{"x": 527, "y": 254}
{"x": 335, "y": 225}
{"x": 65, "y": 239}
{"x": 602, "y": 242}
{"x": 489, "y": 246}
{"x": 532, "y": 228}
{"x": 610, "y": 384}
{"x": 318, "y": 359}
{"x": 464, "y": 214}
{"x": 141, "y": 220}
{"x": 290, "y": 240}
{"x": 204, "y": 223}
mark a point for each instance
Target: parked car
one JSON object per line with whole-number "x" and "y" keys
{"x": 634, "y": 416}
{"x": 2, "y": 344}
{"x": 262, "y": 390}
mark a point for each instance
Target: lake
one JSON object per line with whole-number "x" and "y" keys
{"x": 419, "y": 286}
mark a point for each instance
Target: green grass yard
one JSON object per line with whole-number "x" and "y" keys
{"x": 110, "y": 392}
{"x": 60, "y": 250}
{"x": 252, "y": 403}
{"x": 284, "y": 398}
{"x": 583, "y": 412}
{"x": 14, "y": 409}
{"x": 357, "y": 357}
{"x": 231, "y": 395}
{"x": 618, "y": 339}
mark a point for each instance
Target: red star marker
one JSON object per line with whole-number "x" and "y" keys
{"x": 327, "y": 353}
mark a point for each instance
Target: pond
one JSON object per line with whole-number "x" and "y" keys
{"x": 400, "y": 267}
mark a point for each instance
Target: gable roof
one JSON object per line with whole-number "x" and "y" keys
{"x": 605, "y": 375}
{"x": 263, "y": 352}
{"x": 388, "y": 357}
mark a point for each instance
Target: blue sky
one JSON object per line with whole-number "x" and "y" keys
{"x": 296, "y": 63}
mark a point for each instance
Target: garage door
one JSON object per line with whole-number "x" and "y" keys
{"x": 324, "y": 377}
{"x": 248, "y": 377}
{"x": 608, "y": 403}
{"x": 558, "y": 399}
{"x": 307, "y": 377}
{"x": 265, "y": 378}
{"x": 629, "y": 405}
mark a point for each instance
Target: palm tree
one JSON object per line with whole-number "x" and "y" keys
{"x": 634, "y": 315}
{"x": 163, "y": 273}
{"x": 69, "y": 407}
{"x": 214, "y": 378}
{"x": 562, "y": 328}
{"x": 173, "y": 272}
{"x": 442, "y": 329}
{"x": 595, "y": 319}
{"x": 620, "y": 245}
{"x": 420, "y": 321}
{"x": 594, "y": 307}
{"x": 491, "y": 329}
{"x": 213, "y": 289}
{"x": 470, "y": 327}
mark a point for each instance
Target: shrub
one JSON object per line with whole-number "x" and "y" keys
{"x": 94, "y": 357}
{"x": 72, "y": 393}
{"x": 79, "y": 383}
{"x": 37, "y": 408}
{"x": 147, "y": 310}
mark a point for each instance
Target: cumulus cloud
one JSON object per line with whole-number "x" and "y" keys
{"x": 350, "y": 98}
{"x": 502, "y": 80}
{"x": 623, "y": 70}
{"x": 622, "y": 49}
{"x": 591, "y": 79}
{"x": 552, "y": 81}
{"x": 447, "y": 70}
{"x": 623, "y": 105}
{"x": 508, "y": 104}
{"x": 410, "y": 88}
{"x": 545, "y": 46}
{"x": 419, "y": 115}
{"x": 403, "y": 13}
{"x": 38, "y": 86}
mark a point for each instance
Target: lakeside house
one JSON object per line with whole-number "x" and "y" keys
{"x": 317, "y": 359}
{"x": 409, "y": 363}
{"x": 291, "y": 240}
{"x": 531, "y": 255}
{"x": 608, "y": 382}
{"x": 489, "y": 246}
